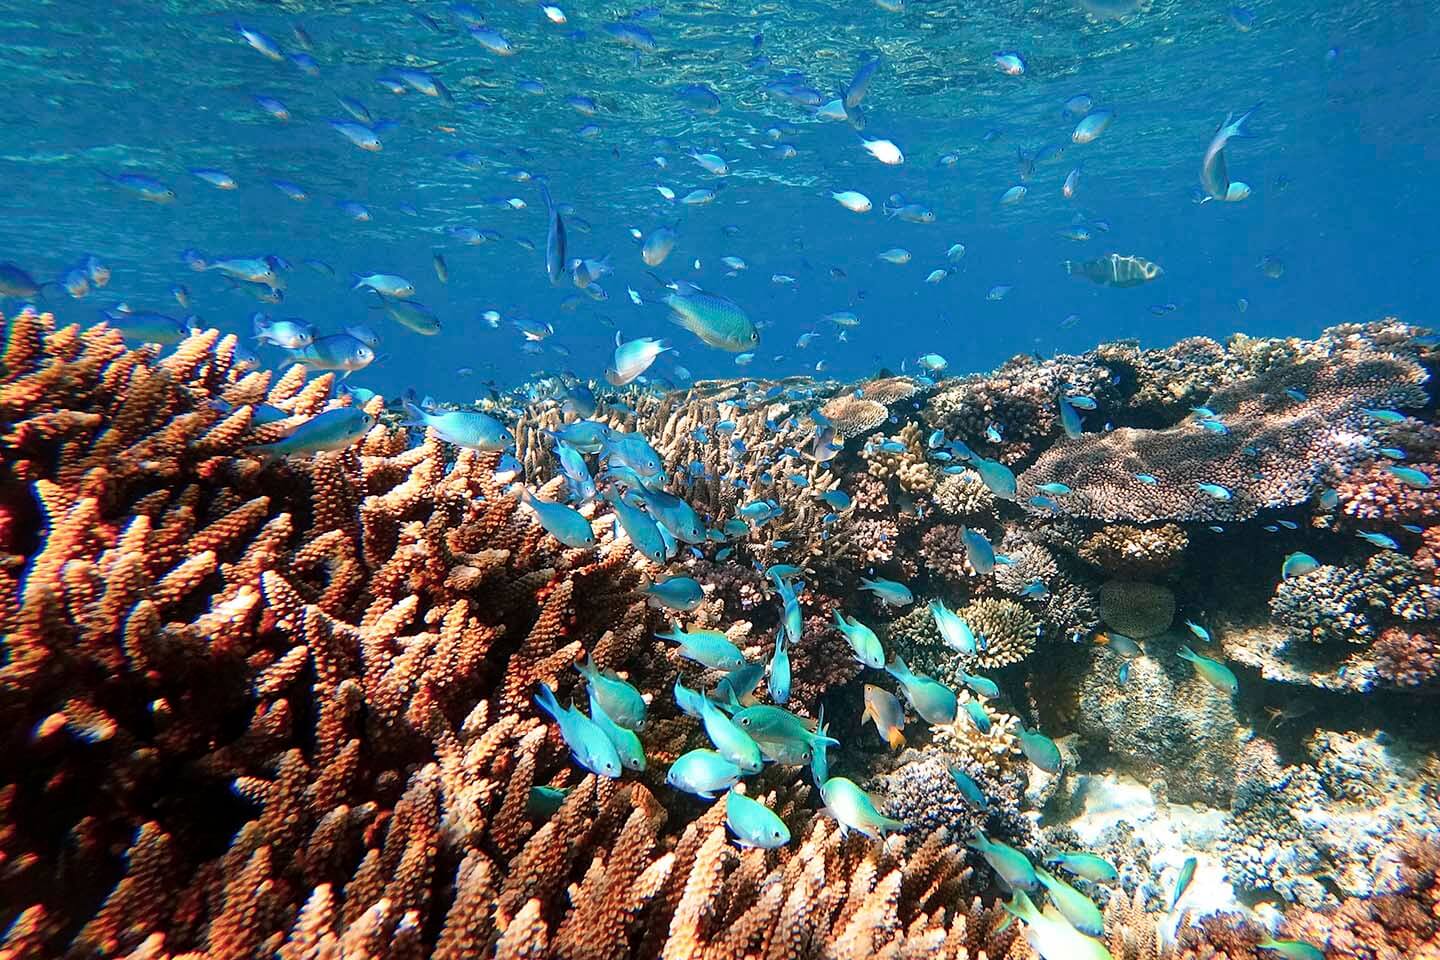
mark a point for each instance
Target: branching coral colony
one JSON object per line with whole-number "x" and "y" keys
{"x": 256, "y": 706}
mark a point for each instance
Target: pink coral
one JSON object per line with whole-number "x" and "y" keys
{"x": 1406, "y": 658}
{"x": 1374, "y": 493}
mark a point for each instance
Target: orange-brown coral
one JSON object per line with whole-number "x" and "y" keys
{"x": 1135, "y": 553}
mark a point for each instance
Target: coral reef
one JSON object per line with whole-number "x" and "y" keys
{"x": 282, "y": 706}
{"x": 1135, "y": 553}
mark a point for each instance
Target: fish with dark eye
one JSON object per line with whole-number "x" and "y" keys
{"x": 1009, "y": 864}
{"x": 589, "y": 746}
{"x": 627, "y": 744}
{"x": 1039, "y": 749}
{"x": 332, "y": 430}
{"x": 565, "y": 524}
{"x": 1115, "y": 270}
{"x": 853, "y": 809}
{"x": 888, "y": 591}
{"x": 730, "y": 741}
{"x": 862, "y": 640}
{"x": 710, "y": 648}
{"x": 675, "y": 593}
{"x": 703, "y": 773}
{"x": 753, "y": 823}
{"x": 1214, "y": 175}
{"x": 1088, "y": 865}
{"x": 882, "y": 708}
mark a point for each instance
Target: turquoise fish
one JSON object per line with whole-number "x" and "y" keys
{"x": 780, "y": 671}
{"x": 1052, "y": 937}
{"x": 464, "y": 428}
{"x": 332, "y": 430}
{"x": 703, "y": 773}
{"x": 710, "y": 648}
{"x": 968, "y": 788}
{"x": 676, "y": 593}
{"x": 627, "y": 744}
{"x": 982, "y": 686}
{"x": 862, "y": 641}
{"x": 731, "y": 742}
{"x": 1212, "y": 672}
{"x": 1298, "y": 564}
{"x": 1039, "y": 750}
{"x": 621, "y": 701}
{"x": 1073, "y": 905}
{"x": 589, "y": 746}
{"x": 563, "y": 523}
{"x": 753, "y": 823}
{"x": 888, "y": 591}
{"x": 930, "y": 698}
{"x": 1009, "y": 864}
{"x": 1182, "y": 881}
{"x": 1087, "y": 865}
{"x": 953, "y": 629}
{"x": 853, "y": 809}
{"x": 1292, "y": 949}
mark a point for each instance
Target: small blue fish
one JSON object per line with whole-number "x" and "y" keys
{"x": 1149, "y": 479}
{"x": 1288, "y": 524}
{"x": 589, "y": 746}
{"x": 888, "y": 591}
{"x": 1384, "y": 416}
{"x": 1394, "y": 453}
{"x": 992, "y": 433}
{"x": 978, "y": 551}
{"x": 332, "y": 430}
{"x": 1214, "y": 490}
{"x": 563, "y": 523}
{"x": 1297, "y": 395}
{"x": 978, "y": 716}
{"x": 676, "y": 593}
{"x": 627, "y": 744}
{"x": 710, "y": 648}
{"x": 1082, "y": 402}
{"x": 1035, "y": 589}
{"x": 1045, "y": 503}
{"x": 1055, "y": 489}
{"x": 1069, "y": 418}
{"x": 1199, "y": 631}
{"x": 1214, "y": 426}
{"x": 1378, "y": 539}
{"x": 1412, "y": 527}
{"x": 1329, "y": 499}
{"x": 703, "y": 773}
{"x": 779, "y": 683}
{"x": 838, "y": 499}
{"x": 1410, "y": 477}
{"x": 968, "y": 788}
{"x": 862, "y": 640}
{"x": 753, "y": 823}
{"x": 622, "y": 702}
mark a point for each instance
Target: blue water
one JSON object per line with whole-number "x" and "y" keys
{"x": 1341, "y": 161}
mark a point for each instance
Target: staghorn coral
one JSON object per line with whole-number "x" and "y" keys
{"x": 1137, "y": 609}
{"x": 1135, "y": 553}
{"x": 1277, "y": 452}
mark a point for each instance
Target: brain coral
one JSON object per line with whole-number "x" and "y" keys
{"x": 1135, "y": 553}
{"x": 1136, "y": 608}
{"x": 1277, "y": 452}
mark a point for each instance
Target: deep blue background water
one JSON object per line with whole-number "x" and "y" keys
{"x": 159, "y": 88}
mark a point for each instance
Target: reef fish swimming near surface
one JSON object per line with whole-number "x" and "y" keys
{"x": 1115, "y": 270}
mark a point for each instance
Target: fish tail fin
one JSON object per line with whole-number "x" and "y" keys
{"x": 416, "y": 415}
{"x": 1185, "y": 653}
{"x": 896, "y": 737}
{"x": 978, "y": 840}
{"x": 545, "y": 699}
{"x": 545, "y": 195}
{"x": 1021, "y": 907}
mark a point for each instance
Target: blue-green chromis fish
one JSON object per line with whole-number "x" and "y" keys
{"x": 888, "y": 591}
{"x": 1212, "y": 672}
{"x": 675, "y": 515}
{"x": 1069, "y": 418}
{"x": 645, "y": 535}
{"x": 1039, "y": 749}
{"x": 862, "y": 641}
{"x": 853, "y": 809}
{"x": 339, "y": 351}
{"x": 589, "y": 746}
{"x": 675, "y": 593}
{"x": 978, "y": 716}
{"x": 1010, "y": 864}
{"x": 1182, "y": 881}
{"x": 1292, "y": 949}
{"x": 953, "y": 629}
{"x": 753, "y": 823}
{"x": 709, "y": 648}
{"x": 780, "y": 671}
{"x": 332, "y": 430}
{"x": 968, "y": 788}
{"x": 1087, "y": 865}
{"x": 627, "y": 744}
{"x": 545, "y": 801}
{"x": 1298, "y": 564}
{"x": 703, "y": 773}
{"x": 1073, "y": 905}
{"x": 982, "y": 686}
{"x": 621, "y": 701}
{"x": 1410, "y": 477}
{"x": 564, "y": 524}
{"x": 717, "y": 321}
{"x": 1214, "y": 491}
{"x": 934, "y": 701}
{"x": 995, "y": 475}
{"x": 979, "y": 551}
{"x": 1384, "y": 416}
{"x": 464, "y": 428}
{"x": 1052, "y": 937}
{"x": 738, "y": 686}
